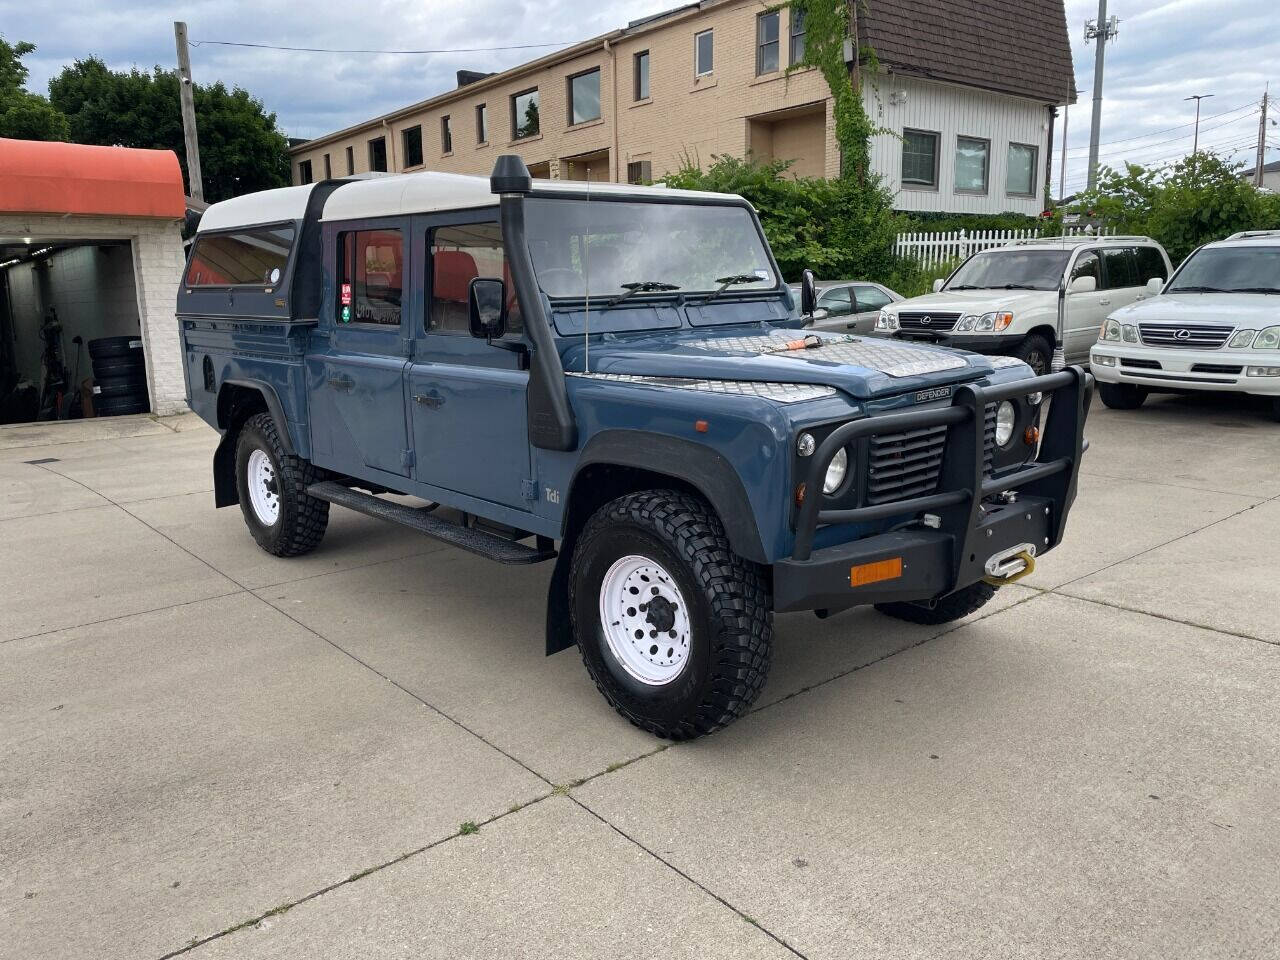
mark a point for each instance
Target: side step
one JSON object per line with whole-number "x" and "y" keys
{"x": 476, "y": 541}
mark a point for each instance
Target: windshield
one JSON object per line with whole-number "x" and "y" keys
{"x": 606, "y": 247}
{"x": 1230, "y": 270}
{"x": 1011, "y": 269}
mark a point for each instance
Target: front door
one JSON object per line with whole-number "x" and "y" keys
{"x": 467, "y": 397}
{"x": 356, "y": 383}
{"x": 1084, "y": 311}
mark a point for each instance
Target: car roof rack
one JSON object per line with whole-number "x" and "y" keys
{"x": 1252, "y": 234}
{"x": 1078, "y": 239}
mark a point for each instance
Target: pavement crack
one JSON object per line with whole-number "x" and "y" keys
{"x": 1159, "y": 616}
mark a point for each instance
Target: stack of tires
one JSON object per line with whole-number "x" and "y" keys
{"x": 119, "y": 376}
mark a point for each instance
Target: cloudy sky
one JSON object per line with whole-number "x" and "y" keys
{"x": 1166, "y": 50}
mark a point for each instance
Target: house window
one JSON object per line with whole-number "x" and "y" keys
{"x": 351, "y": 160}
{"x": 767, "y": 42}
{"x": 412, "y": 146}
{"x": 703, "y": 44}
{"x": 973, "y": 164}
{"x": 641, "y": 75}
{"x": 446, "y": 136}
{"x": 482, "y": 123}
{"x": 328, "y": 168}
{"x": 524, "y": 114}
{"x": 371, "y": 283}
{"x": 304, "y": 171}
{"x": 797, "y": 36}
{"x": 920, "y": 158}
{"x": 378, "y": 153}
{"x": 584, "y": 97}
{"x": 640, "y": 171}
{"x": 1020, "y": 181}
{"x": 458, "y": 256}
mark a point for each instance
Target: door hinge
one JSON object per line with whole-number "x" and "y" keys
{"x": 407, "y": 458}
{"x": 529, "y": 489}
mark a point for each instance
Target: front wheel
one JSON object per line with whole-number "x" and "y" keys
{"x": 1036, "y": 352}
{"x": 674, "y": 627}
{"x": 1122, "y": 396}
{"x": 948, "y": 609}
{"x": 272, "y": 485}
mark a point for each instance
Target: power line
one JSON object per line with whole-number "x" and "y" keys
{"x": 1186, "y": 136}
{"x": 1155, "y": 133}
{"x": 1229, "y": 146}
{"x": 272, "y": 46}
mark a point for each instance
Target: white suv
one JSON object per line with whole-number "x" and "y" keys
{"x": 1031, "y": 296}
{"x": 1214, "y": 326}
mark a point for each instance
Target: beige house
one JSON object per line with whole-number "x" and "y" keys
{"x": 726, "y": 77}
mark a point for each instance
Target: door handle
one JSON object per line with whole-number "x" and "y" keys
{"x": 433, "y": 400}
{"x": 342, "y": 383}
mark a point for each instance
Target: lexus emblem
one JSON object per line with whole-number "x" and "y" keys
{"x": 925, "y": 321}
{"x": 1183, "y": 335}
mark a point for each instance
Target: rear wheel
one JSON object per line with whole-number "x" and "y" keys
{"x": 675, "y": 629}
{"x": 1036, "y": 352}
{"x": 1122, "y": 396}
{"x": 272, "y": 485}
{"x": 948, "y": 609}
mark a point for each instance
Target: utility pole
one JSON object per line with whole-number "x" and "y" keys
{"x": 1195, "y": 142}
{"x": 188, "y": 100}
{"x": 1262, "y": 138}
{"x": 1101, "y": 30}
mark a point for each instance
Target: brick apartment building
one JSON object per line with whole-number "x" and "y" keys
{"x": 966, "y": 95}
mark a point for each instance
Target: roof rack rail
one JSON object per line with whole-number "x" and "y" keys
{"x": 1079, "y": 238}
{"x": 1250, "y": 234}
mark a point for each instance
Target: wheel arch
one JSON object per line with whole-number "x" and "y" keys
{"x": 238, "y": 400}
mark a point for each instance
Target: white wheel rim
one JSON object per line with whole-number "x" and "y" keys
{"x": 264, "y": 496}
{"x": 637, "y": 599}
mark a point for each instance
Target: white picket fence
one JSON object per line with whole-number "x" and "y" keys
{"x": 935, "y": 249}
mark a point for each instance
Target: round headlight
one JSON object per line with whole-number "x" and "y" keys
{"x": 967, "y": 322}
{"x": 805, "y": 444}
{"x": 836, "y": 472}
{"x": 1111, "y": 330}
{"x": 986, "y": 322}
{"x": 1006, "y": 419}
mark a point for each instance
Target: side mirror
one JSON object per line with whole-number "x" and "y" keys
{"x": 1154, "y": 286}
{"x": 939, "y": 284}
{"x": 1083, "y": 285}
{"x": 808, "y": 293}
{"x": 820, "y": 314}
{"x": 487, "y": 299}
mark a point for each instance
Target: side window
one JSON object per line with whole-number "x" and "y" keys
{"x": 1122, "y": 267}
{"x": 836, "y": 300}
{"x": 254, "y": 257}
{"x": 1088, "y": 265}
{"x": 459, "y": 255}
{"x": 1151, "y": 264}
{"x": 371, "y": 279}
{"x": 871, "y": 298}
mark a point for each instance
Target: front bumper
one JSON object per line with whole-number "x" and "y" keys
{"x": 977, "y": 342}
{"x": 974, "y": 521}
{"x": 1185, "y": 368}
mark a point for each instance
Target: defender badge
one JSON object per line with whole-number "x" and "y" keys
{"x": 937, "y": 393}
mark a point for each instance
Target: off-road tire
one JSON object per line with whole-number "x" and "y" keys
{"x": 1036, "y": 352}
{"x": 120, "y": 387}
{"x": 112, "y": 367}
{"x": 950, "y": 608}
{"x": 120, "y": 406}
{"x": 302, "y": 520}
{"x": 730, "y": 608}
{"x": 1122, "y": 396}
{"x": 105, "y": 347}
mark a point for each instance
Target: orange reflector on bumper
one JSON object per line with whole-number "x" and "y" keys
{"x": 865, "y": 573}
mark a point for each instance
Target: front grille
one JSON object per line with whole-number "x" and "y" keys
{"x": 908, "y": 464}
{"x": 921, "y": 322}
{"x": 1172, "y": 335}
{"x": 1140, "y": 364}
{"x": 1215, "y": 368}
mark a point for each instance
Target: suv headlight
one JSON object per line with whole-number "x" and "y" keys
{"x": 1111, "y": 330}
{"x": 967, "y": 322}
{"x": 1268, "y": 339}
{"x": 1006, "y": 420}
{"x": 1242, "y": 338}
{"x": 836, "y": 472}
{"x": 886, "y": 321}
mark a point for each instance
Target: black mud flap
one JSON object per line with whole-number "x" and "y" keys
{"x": 225, "y": 493}
{"x": 559, "y": 629}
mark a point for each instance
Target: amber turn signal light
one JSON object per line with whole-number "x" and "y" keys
{"x": 1032, "y": 436}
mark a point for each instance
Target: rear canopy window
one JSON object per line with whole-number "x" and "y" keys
{"x": 254, "y": 257}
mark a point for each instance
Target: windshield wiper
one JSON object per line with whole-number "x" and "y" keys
{"x": 641, "y": 286}
{"x": 733, "y": 281}
{"x": 1019, "y": 286}
{"x": 1254, "y": 290}
{"x": 1193, "y": 289}
{"x": 965, "y": 286}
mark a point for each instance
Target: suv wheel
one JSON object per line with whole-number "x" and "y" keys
{"x": 675, "y": 628}
{"x": 1036, "y": 352}
{"x": 946, "y": 610}
{"x": 1122, "y": 396}
{"x": 272, "y": 487}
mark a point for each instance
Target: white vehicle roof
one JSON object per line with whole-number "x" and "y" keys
{"x": 407, "y": 193}
{"x": 1251, "y": 238}
{"x": 1103, "y": 239}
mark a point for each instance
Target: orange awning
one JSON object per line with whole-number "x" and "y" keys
{"x": 76, "y": 178}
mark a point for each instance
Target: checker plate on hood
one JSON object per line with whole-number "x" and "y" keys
{"x": 887, "y": 357}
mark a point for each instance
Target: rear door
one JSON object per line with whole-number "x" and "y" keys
{"x": 467, "y": 398}
{"x": 1120, "y": 267}
{"x": 1084, "y": 311}
{"x": 870, "y": 300}
{"x": 355, "y": 380}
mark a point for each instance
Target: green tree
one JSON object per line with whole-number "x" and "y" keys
{"x": 241, "y": 150}
{"x": 24, "y": 115}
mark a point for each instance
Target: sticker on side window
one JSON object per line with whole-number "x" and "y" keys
{"x": 346, "y": 294}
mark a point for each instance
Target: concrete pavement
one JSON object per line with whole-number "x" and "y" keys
{"x": 210, "y": 752}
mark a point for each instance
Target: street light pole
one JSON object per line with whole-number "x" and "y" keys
{"x": 1195, "y": 143}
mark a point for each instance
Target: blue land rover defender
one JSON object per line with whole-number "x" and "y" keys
{"x": 616, "y": 379}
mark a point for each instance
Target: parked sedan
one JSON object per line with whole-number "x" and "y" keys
{"x": 848, "y": 306}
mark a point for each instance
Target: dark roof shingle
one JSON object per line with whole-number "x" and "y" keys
{"x": 1011, "y": 46}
